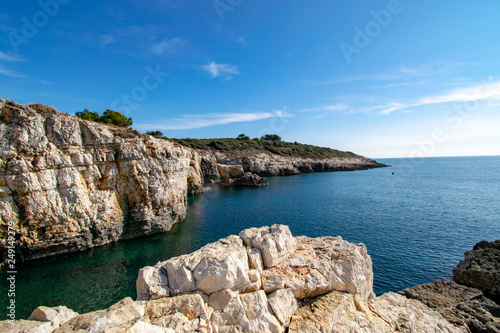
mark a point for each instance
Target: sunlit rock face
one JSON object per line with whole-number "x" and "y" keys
{"x": 263, "y": 280}
{"x": 68, "y": 184}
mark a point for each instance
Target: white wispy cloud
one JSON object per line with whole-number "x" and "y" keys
{"x": 483, "y": 91}
{"x": 354, "y": 78}
{"x": 333, "y": 107}
{"x": 9, "y": 58}
{"x": 187, "y": 122}
{"x": 106, "y": 40}
{"x": 242, "y": 41}
{"x": 225, "y": 70}
{"x": 6, "y": 57}
{"x": 11, "y": 73}
{"x": 389, "y": 108}
{"x": 402, "y": 72}
{"x": 169, "y": 46}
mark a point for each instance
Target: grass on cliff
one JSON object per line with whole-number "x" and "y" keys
{"x": 278, "y": 147}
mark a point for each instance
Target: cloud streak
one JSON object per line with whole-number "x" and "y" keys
{"x": 9, "y": 57}
{"x": 225, "y": 70}
{"x": 169, "y": 46}
{"x": 6, "y": 57}
{"x": 478, "y": 92}
{"x": 328, "y": 108}
{"x": 187, "y": 122}
{"x": 11, "y": 73}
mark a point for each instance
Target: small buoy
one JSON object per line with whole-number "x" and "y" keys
{"x": 393, "y": 173}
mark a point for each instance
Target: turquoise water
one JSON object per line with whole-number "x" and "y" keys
{"x": 416, "y": 224}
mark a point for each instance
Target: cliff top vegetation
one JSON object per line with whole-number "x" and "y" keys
{"x": 268, "y": 143}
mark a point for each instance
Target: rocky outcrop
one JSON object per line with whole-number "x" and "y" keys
{"x": 264, "y": 280}
{"x": 247, "y": 180}
{"x": 342, "y": 312}
{"x": 234, "y": 175}
{"x": 481, "y": 269}
{"x": 465, "y": 307}
{"x": 268, "y": 259}
{"x": 68, "y": 184}
{"x": 217, "y": 164}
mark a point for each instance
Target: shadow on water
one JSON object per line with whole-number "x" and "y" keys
{"x": 97, "y": 278}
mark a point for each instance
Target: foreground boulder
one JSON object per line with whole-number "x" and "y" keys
{"x": 264, "y": 280}
{"x": 267, "y": 258}
{"x": 481, "y": 268}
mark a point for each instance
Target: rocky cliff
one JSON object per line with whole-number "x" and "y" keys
{"x": 264, "y": 280}
{"x": 214, "y": 163}
{"x": 67, "y": 184}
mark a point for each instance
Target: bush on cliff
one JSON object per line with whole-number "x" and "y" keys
{"x": 156, "y": 134}
{"x": 271, "y": 137}
{"x": 43, "y": 109}
{"x": 88, "y": 115}
{"x": 109, "y": 117}
{"x": 115, "y": 118}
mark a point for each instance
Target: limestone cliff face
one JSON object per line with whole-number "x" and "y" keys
{"x": 268, "y": 164}
{"x": 69, "y": 184}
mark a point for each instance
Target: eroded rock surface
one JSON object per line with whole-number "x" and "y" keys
{"x": 481, "y": 268}
{"x": 264, "y": 280}
{"x": 343, "y": 312}
{"x": 216, "y": 164}
{"x": 463, "y": 306}
{"x": 67, "y": 184}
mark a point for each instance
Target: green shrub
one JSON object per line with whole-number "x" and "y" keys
{"x": 115, "y": 118}
{"x": 88, "y": 115}
{"x": 156, "y": 134}
{"x": 243, "y": 137}
{"x": 271, "y": 137}
{"x": 109, "y": 117}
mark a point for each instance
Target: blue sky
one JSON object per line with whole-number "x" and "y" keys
{"x": 380, "y": 78}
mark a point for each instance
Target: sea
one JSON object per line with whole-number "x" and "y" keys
{"x": 416, "y": 218}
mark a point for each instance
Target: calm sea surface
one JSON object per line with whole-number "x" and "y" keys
{"x": 416, "y": 224}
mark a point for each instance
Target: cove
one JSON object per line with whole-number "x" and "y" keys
{"x": 416, "y": 226}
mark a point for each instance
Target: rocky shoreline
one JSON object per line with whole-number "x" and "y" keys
{"x": 68, "y": 184}
{"x": 266, "y": 280}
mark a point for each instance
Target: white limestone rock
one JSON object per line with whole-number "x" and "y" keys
{"x": 26, "y": 326}
{"x": 180, "y": 277}
{"x": 232, "y": 318}
{"x": 255, "y": 258}
{"x": 219, "y": 299}
{"x": 284, "y": 305}
{"x": 346, "y": 266}
{"x": 142, "y": 327}
{"x": 151, "y": 283}
{"x": 259, "y": 313}
{"x": 221, "y": 265}
{"x": 275, "y": 243}
{"x": 186, "y": 313}
{"x": 56, "y": 316}
{"x": 116, "y": 318}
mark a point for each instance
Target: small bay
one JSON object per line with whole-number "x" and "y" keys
{"x": 416, "y": 218}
